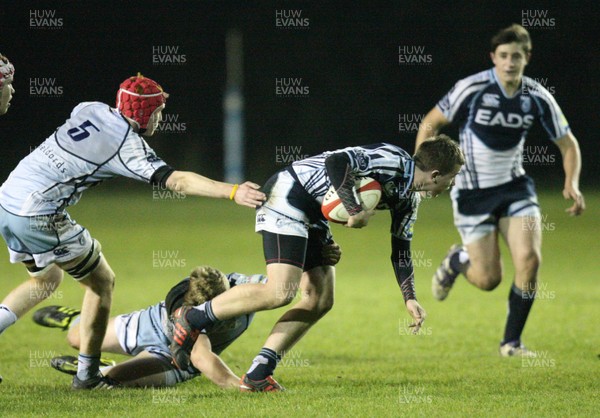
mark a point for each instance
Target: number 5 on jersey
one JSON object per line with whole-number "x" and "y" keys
{"x": 79, "y": 133}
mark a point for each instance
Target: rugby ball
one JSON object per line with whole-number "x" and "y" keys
{"x": 369, "y": 193}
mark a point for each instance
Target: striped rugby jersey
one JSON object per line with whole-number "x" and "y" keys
{"x": 390, "y": 165}
{"x": 493, "y": 126}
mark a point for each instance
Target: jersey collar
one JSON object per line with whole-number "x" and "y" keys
{"x": 501, "y": 87}
{"x": 409, "y": 183}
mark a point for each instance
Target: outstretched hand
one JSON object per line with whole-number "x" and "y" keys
{"x": 417, "y": 313}
{"x": 570, "y": 192}
{"x": 248, "y": 194}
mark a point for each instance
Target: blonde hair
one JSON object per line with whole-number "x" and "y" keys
{"x": 205, "y": 283}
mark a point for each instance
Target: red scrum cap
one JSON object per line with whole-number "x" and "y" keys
{"x": 139, "y": 97}
{"x": 7, "y": 71}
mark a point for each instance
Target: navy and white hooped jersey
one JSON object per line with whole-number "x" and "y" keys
{"x": 390, "y": 165}
{"x": 96, "y": 143}
{"x": 493, "y": 126}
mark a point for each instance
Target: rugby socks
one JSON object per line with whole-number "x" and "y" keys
{"x": 459, "y": 261}
{"x": 201, "y": 316}
{"x": 519, "y": 305}
{"x": 263, "y": 364}
{"x": 7, "y": 318}
{"x": 88, "y": 366}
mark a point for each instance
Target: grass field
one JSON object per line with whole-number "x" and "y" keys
{"x": 360, "y": 360}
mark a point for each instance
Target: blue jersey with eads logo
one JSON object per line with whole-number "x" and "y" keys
{"x": 493, "y": 126}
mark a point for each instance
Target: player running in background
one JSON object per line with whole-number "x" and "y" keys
{"x": 494, "y": 110}
{"x": 7, "y": 72}
{"x": 294, "y": 233}
{"x": 96, "y": 143}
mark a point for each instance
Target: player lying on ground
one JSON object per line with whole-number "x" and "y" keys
{"x": 96, "y": 143}
{"x": 7, "y": 72}
{"x": 146, "y": 334}
{"x": 294, "y": 233}
{"x": 495, "y": 110}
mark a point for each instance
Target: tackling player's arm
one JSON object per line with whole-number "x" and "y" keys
{"x": 246, "y": 194}
{"x": 137, "y": 160}
{"x": 211, "y": 364}
{"x": 431, "y": 125}
{"x": 341, "y": 177}
{"x": 571, "y": 155}
{"x": 405, "y": 276}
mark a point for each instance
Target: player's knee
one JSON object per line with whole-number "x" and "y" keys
{"x": 281, "y": 299}
{"x": 485, "y": 276}
{"x": 528, "y": 262}
{"x": 317, "y": 304}
{"x": 489, "y": 280}
{"x": 325, "y": 305}
{"x": 102, "y": 279}
{"x": 489, "y": 285}
{"x": 276, "y": 294}
{"x": 103, "y": 283}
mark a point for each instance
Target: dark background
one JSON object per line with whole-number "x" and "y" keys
{"x": 347, "y": 56}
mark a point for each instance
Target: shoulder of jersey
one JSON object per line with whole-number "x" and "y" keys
{"x": 401, "y": 150}
{"x": 103, "y": 112}
{"x": 89, "y": 107}
{"x": 481, "y": 77}
{"x": 99, "y": 108}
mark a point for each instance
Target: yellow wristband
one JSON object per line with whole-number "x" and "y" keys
{"x": 232, "y": 195}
